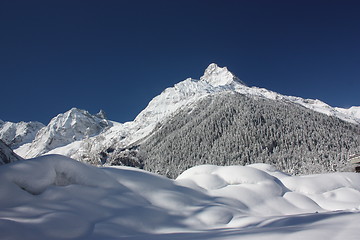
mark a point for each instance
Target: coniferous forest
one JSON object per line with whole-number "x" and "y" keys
{"x": 231, "y": 128}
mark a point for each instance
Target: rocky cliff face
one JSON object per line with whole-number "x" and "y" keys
{"x": 7, "y": 155}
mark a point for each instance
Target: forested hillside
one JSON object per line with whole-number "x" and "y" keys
{"x": 231, "y": 128}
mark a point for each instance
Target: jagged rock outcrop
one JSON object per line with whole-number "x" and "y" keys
{"x": 7, "y": 155}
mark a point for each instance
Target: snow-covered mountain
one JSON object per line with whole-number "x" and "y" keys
{"x": 17, "y": 134}
{"x": 217, "y": 80}
{"x": 74, "y": 125}
{"x": 83, "y": 136}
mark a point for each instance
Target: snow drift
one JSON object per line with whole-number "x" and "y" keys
{"x": 55, "y": 197}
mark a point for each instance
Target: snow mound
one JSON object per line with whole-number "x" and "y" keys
{"x": 55, "y": 197}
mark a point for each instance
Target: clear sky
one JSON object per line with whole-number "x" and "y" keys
{"x": 118, "y": 55}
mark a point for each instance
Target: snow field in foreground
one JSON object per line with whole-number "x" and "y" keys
{"x": 55, "y": 197}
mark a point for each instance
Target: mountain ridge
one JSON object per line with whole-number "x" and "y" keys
{"x": 96, "y": 136}
{"x": 17, "y": 134}
{"x": 65, "y": 128}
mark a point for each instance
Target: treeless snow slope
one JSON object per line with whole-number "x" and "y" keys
{"x": 55, "y": 197}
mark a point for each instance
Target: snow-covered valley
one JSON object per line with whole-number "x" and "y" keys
{"x": 55, "y": 197}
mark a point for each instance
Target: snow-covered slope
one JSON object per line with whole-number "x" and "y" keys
{"x": 352, "y": 112}
{"x": 17, "y": 134}
{"x": 76, "y": 137}
{"x": 7, "y": 155}
{"x": 54, "y": 197}
{"x": 74, "y": 125}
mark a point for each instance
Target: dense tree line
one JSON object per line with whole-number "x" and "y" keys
{"x": 232, "y": 128}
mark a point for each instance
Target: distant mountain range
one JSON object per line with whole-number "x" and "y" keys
{"x": 217, "y": 120}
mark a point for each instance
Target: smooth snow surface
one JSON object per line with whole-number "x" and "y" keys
{"x": 55, "y": 197}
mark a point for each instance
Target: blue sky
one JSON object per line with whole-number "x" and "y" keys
{"x": 118, "y": 55}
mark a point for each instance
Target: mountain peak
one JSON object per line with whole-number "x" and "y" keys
{"x": 101, "y": 114}
{"x": 219, "y": 76}
{"x": 75, "y": 110}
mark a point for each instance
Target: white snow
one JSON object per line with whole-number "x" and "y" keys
{"x": 55, "y": 197}
{"x": 352, "y": 112}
